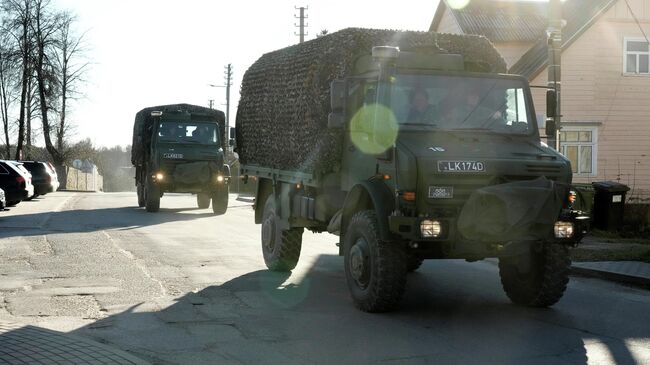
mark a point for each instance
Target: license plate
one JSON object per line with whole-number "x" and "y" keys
{"x": 461, "y": 166}
{"x": 173, "y": 155}
{"x": 441, "y": 192}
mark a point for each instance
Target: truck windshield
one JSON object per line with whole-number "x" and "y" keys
{"x": 462, "y": 103}
{"x": 192, "y": 132}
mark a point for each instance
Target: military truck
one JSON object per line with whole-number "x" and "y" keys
{"x": 178, "y": 148}
{"x": 409, "y": 146}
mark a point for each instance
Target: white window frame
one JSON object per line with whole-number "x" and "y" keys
{"x": 625, "y": 53}
{"x": 593, "y": 144}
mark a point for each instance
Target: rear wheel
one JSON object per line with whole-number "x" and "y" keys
{"x": 140, "y": 191}
{"x": 280, "y": 247}
{"x": 220, "y": 200}
{"x": 13, "y": 203}
{"x": 203, "y": 200}
{"x": 152, "y": 197}
{"x": 375, "y": 271}
{"x": 538, "y": 279}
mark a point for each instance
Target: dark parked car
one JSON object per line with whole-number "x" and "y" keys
{"x": 3, "y": 201}
{"x": 16, "y": 181}
{"x": 43, "y": 178}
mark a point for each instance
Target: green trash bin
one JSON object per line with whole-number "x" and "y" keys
{"x": 609, "y": 205}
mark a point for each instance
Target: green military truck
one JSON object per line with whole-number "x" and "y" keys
{"x": 178, "y": 148}
{"x": 409, "y": 146}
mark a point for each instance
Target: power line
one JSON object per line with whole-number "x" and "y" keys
{"x": 637, "y": 21}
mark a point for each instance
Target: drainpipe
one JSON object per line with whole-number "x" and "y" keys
{"x": 554, "y": 34}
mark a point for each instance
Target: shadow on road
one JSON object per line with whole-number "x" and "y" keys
{"x": 450, "y": 314}
{"x": 81, "y": 220}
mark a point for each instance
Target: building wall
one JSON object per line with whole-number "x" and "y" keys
{"x": 597, "y": 93}
{"x": 81, "y": 181}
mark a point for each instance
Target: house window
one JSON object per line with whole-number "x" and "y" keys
{"x": 637, "y": 56}
{"x": 579, "y": 146}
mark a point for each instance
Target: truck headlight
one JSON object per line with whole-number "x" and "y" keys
{"x": 563, "y": 229}
{"x": 220, "y": 178}
{"x": 160, "y": 176}
{"x": 430, "y": 228}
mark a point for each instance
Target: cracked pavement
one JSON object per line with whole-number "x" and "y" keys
{"x": 184, "y": 286}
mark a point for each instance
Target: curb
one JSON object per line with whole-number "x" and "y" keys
{"x": 611, "y": 276}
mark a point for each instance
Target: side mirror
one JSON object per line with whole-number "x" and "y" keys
{"x": 232, "y": 132}
{"x": 337, "y": 95}
{"x": 551, "y": 129}
{"x": 335, "y": 121}
{"x": 551, "y": 103}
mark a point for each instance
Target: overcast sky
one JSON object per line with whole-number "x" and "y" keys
{"x": 151, "y": 52}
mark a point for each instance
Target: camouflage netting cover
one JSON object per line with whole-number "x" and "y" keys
{"x": 191, "y": 173}
{"x": 284, "y": 105}
{"x": 143, "y": 120}
{"x": 522, "y": 210}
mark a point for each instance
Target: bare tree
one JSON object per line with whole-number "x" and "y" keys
{"x": 71, "y": 65}
{"x": 19, "y": 22}
{"x": 7, "y": 84}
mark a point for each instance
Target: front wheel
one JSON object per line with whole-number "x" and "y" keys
{"x": 140, "y": 192}
{"x": 374, "y": 270}
{"x": 203, "y": 200}
{"x": 152, "y": 197}
{"x": 220, "y": 200}
{"x": 280, "y": 247}
{"x": 537, "y": 279}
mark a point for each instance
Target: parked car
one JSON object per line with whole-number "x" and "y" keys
{"x": 3, "y": 201}
{"x": 16, "y": 182}
{"x": 44, "y": 178}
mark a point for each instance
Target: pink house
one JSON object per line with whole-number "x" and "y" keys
{"x": 605, "y": 77}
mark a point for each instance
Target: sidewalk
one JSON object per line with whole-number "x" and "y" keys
{"x": 620, "y": 260}
{"x": 629, "y": 272}
{"x": 20, "y": 344}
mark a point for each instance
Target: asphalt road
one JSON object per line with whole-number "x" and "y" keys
{"x": 185, "y": 286}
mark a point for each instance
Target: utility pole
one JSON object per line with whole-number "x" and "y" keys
{"x": 554, "y": 33}
{"x": 228, "y": 79}
{"x": 211, "y": 103}
{"x": 302, "y": 24}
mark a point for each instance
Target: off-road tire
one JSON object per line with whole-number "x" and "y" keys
{"x": 281, "y": 248}
{"x": 220, "y": 200}
{"x": 413, "y": 263}
{"x": 203, "y": 200}
{"x": 140, "y": 192}
{"x": 384, "y": 265}
{"x": 152, "y": 197}
{"x": 546, "y": 281}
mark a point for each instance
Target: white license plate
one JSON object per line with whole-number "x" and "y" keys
{"x": 441, "y": 192}
{"x": 173, "y": 156}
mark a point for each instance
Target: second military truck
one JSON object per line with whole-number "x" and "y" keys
{"x": 409, "y": 146}
{"x": 179, "y": 148}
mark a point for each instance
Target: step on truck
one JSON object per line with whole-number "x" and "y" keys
{"x": 179, "y": 148}
{"x": 409, "y": 146}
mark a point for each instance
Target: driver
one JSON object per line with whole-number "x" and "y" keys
{"x": 421, "y": 110}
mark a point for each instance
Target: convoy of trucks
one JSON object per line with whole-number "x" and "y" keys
{"x": 409, "y": 146}
{"x": 179, "y": 148}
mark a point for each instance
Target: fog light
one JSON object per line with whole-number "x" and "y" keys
{"x": 430, "y": 228}
{"x": 219, "y": 178}
{"x": 563, "y": 229}
{"x": 160, "y": 176}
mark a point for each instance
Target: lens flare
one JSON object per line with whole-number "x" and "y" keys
{"x": 373, "y": 129}
{"x": 457, "y": 4}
